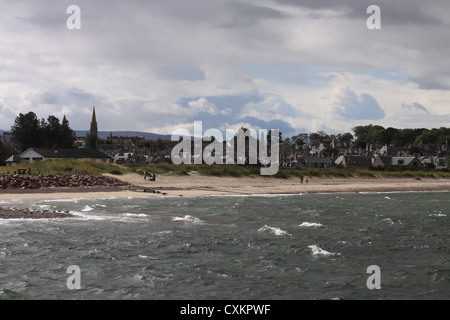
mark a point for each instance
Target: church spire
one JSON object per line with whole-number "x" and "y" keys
{"x": 93, "y": 135}
{"x": 94, "y": 129}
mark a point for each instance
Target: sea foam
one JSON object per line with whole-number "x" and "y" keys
{"x": 188, "y": 218}
{"x": 135, "y": 214}
{"x": 275, "y": 231}
{"x": 437, "y": 215}
{"x": 311, "y": 225}
{"x": 317, "y": 251}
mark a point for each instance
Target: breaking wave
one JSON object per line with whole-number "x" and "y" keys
{"x": 274, "y": 230}
{"x": 188, "y": 218}
{"x": 311, "y": 225}
{"x": 317, "y": 251}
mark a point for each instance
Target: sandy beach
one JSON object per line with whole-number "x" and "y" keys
{"x": 200, "y": 185}
{"x": 194, "y": 184}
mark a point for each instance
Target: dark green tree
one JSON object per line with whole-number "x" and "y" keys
{"x": 319, "y": 137}
{"x": 29, "y": 132}
{"x": 67, "y": 135}
{"x": 5, "y": 153}
{"x": 51, "y": 132}
{"x": 26, "y": 131}
{"x": 347, "y": 137}
{"x": 300, "y": 139}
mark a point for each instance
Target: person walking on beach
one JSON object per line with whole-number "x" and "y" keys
{"x": 145, "y": 175}
{"x": 301, "y": 179}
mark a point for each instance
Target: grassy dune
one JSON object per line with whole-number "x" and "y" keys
{"x": 59, "y": 166}
{"x": 98, "y": 168}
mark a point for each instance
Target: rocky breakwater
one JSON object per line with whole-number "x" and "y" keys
{"x": 49, "y": 182}
{"x": 16, "y": 213}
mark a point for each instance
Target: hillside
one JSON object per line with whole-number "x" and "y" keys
{"x": 105, "y": 134}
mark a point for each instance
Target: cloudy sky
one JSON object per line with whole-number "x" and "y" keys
{"x": 293, "y": 65}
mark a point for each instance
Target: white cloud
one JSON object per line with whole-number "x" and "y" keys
{"x": 203, "y": 105}
{"x": 350, "y": 105}
{"x": 137, "y": 60}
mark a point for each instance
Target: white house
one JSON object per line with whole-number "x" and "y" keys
{"x": 38, "y": 154}
{"x": 122, "y": 156}
{"x": 13, "y": 161}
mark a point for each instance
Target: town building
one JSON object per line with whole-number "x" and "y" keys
{"x": 389, "y": 161}
{"x": 13, "y": 161}
{"x": 354, "y": 161}
{"x": 39, "y": 154}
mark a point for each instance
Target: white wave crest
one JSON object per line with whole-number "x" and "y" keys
{"x": 437, "y": 215}
{"x": 188, "y": 218}
{"x": 388, "y": 220}
{"x": 146, "y": 257}
{"x": 87, "y": 209}
{"x": 135, "y": 214}
{"x": 275, "y": 231}
{"x": 311, "y": 225}
{"x": 83, "y": 215}
{"x": 317, "y": 251}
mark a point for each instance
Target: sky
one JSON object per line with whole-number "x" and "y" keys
{"x": 293, "y": 65}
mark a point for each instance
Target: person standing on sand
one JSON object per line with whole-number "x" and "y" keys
{"x": 145, "y": 175}
{"x": 301, "y": 179}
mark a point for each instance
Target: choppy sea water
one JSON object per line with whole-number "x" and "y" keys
{"x": 311, "y": 246}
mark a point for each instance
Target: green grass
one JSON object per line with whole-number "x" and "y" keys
{"x": 98, "y": 168}
{"x": 58, "y": 166}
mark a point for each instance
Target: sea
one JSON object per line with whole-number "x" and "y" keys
{"x": 349, "y": 246}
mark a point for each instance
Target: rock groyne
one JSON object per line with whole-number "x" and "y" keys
{"x": 16, "y": 213}
{"x": 33, "y": 182}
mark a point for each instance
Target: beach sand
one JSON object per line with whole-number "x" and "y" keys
{"x": 195, "y": 184}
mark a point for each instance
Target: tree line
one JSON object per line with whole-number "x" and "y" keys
{"x": 378, "y": 136}
{"x": 30, "y": 132}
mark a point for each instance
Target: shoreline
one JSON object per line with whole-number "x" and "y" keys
{"x": 197, "y": 185}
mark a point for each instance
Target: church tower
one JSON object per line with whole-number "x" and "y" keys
{"x": 93, "y": 134}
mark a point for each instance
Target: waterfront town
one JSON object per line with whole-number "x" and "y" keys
{"x": 314, "y": 150}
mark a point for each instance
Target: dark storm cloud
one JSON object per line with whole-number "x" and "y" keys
{"x": 56, "y": 96}
{"x": 393, "y": 12}
{"x": 239, "y": 14}
{"x": 178, "y": 72}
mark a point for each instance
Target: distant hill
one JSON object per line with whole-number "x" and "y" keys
{"x": 105, "y": 134}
